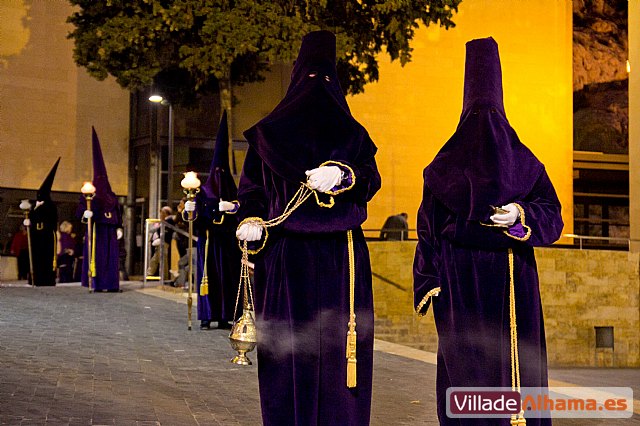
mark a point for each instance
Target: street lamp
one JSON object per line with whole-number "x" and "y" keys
{"x": 89, "y": 191}
{"x": 158, "y": 99}
{"x": 191, "y": 185}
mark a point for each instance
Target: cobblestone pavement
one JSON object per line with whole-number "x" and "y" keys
{"x": 68, "y": 357}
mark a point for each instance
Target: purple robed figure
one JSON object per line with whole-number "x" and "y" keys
{"x": 106, "y": 219}
{"x": 302, "y": 276}
{"x": 43, "y": 228}
{"x": 216, "y": 230}
{"x": 462, "y": 256}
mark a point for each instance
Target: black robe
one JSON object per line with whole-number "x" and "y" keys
{"x": 44, "y": 244}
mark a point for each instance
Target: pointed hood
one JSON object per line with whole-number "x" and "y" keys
{"x": 220, "y": 184}
{"x": 44, "y": 193}
{"x": 483, "y": 163}
{"x": 100, "y": 178}
{"x": 105, "y": 203}
{"x": 313, "y": 123}
{"x": 482, "y": 76}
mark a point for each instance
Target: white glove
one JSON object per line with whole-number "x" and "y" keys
{"x": 156, "y": 242}
{"x": 324, "y": 178}
{"x": 189, "y": 206}
{"x": 119, "y": 233}
{"x": 225, "y": 206}
{"x": 249, "y": 232}
{"x": 26, "y": 222}
{"x": 507, "y": 219}
{"x": 87, "y": 214}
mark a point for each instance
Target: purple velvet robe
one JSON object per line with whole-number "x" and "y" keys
{"x": 484, "y": 164}
{"x": 107, "y": 218}
{"x": 44, "y": 224}
{"x": 223, "y": 260}
{"x": 302, "y": 276}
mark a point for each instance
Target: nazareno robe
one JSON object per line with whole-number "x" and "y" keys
{"x": 302, "y": 275}
{"x": 223, "y": 259}
{"x": 484, "y": 164}
{"x": 107, "y": 218}
{"x": 44, "y": 224}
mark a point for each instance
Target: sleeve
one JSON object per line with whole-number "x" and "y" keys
{"x": 540, "y": 222}
{"x": 426, "y": 264}
{"x": 252, "y": 198}
{"x": 361, "y": 178}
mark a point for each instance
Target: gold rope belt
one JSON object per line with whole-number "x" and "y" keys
{"x": 302, "y": 194}
{"x": 92, "y": 265}
{"x": 55, "y": 250}
{"x": 515, "y": 357}
{"x": 204, "y": 284}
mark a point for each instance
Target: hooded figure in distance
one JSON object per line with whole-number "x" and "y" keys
{"x": 106, "y": 221}
{"x": 466, "y": 245}
{"x": 302, "y": 277}
{"x": 216, "y": 223}
{"x": 44, "y": 224}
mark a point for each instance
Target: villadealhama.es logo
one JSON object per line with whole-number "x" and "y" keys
{"x": 552, "y": 402}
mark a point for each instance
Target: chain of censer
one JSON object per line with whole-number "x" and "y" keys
{"x": 302, "y": 194}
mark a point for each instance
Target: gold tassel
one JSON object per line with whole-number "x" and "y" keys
{"x": 351, "y": 334}
{"x": 204, "y": 286}
{"x": 351, "y": 353}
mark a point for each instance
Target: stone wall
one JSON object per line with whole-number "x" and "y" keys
{"x": 580, "y": 289}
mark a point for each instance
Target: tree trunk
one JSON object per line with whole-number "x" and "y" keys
{"x": 226, "y": 97}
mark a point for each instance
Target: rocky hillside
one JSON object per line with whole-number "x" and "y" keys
{"x": 601, "y": 113}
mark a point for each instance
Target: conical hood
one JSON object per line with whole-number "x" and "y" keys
{"x": 312, "y": 124}
{"x": 220, "y": 183}
{"x": 483, "y": 163}
{"x": 100, "y": 178}
{"x": 482, "y": 76}
{"x": 221, "y": 149}
{"x": 44, "y": 193}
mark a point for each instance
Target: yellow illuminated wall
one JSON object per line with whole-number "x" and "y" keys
{"x": 48, "y": 104}
{"x": 412, "y": 111}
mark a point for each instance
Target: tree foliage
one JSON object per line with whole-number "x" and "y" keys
{"x": 189, "y": 45}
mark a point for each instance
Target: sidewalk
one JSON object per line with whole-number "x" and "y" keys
{"x": 68, "y": 357}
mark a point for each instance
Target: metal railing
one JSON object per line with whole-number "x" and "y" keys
{"x": 162, "y": 252}
{"x": 622, "y": 240}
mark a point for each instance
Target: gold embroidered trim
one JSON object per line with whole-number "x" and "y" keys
{"x": 522, "y": 221}
{"x": 433, "y": 292}
{"x": 353, "y": 176}
{"x": 237, "y": 203}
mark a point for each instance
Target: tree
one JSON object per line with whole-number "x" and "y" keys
{"x": 191, "y": 46}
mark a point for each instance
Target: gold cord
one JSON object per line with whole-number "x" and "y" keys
{"x": 351, "y": 334}
{"x": 301, "y": 195}
{"x": 204, "y": 284}
{"x": 515, "y": 357}
{"x": 92, "y": 265}
{"x": 55, "y": 250}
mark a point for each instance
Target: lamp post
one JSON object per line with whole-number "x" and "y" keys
{"x": 89, "y": 191}
{"x": 25, "y": 206}
{"x": 158, "y": 99}
{"x": 191, "y": 185}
